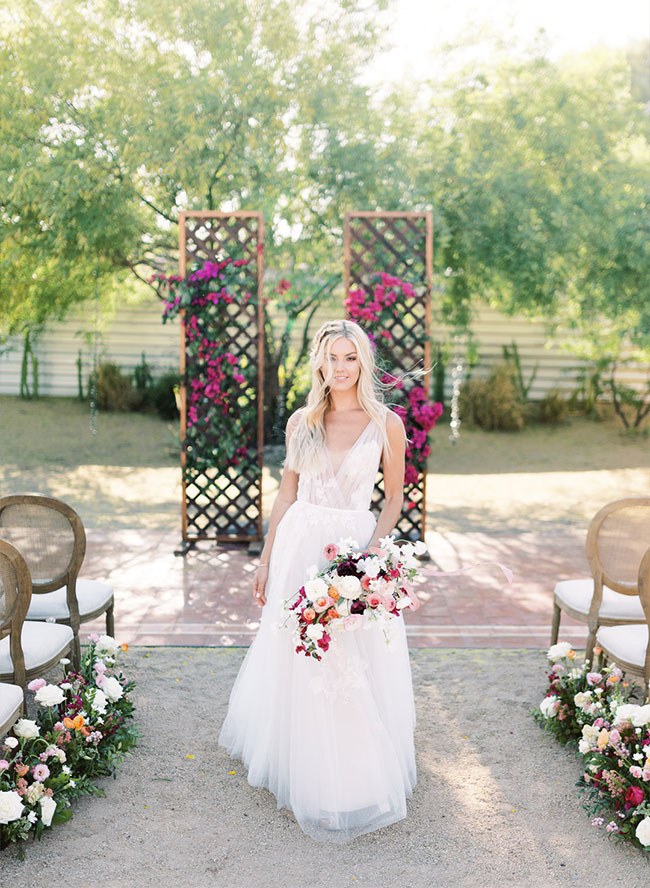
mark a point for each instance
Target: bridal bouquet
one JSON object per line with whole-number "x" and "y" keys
{"x": 354, "y": 587}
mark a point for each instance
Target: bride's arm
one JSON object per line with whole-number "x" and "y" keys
{"x": 287, "y": 495}
{"x": 393, "y": 465}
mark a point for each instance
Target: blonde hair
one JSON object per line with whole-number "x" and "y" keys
{"x": 307, "y": 426}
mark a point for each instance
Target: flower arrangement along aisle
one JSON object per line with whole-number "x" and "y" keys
{"x": 355, "y": 588}
{"x": 591, "y": 710}
{"x": 81, "y": 732}
{"x": 381, "y": 312}
{"x": 221, "y": 420}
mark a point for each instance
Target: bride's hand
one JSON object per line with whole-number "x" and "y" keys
{"x": 259, "y": 584}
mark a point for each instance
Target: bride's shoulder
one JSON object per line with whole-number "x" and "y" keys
{"x": 294, "y": 420}
{"x": 394, "y": 425}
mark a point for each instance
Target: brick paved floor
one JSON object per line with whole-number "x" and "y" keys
{"x": 204, "y": 598}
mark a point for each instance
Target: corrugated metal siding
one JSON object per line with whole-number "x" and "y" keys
{"x": 137, "y": 328}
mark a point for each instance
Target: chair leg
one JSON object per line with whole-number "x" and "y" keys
{"x": 555, "y": 628}
{"x": 110, "y": 621}
{"x": 591, "y": 643}
{"x": 76, "y": 652}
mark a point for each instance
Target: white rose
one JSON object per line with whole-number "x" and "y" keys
{"x": 314, "y": 632}
{"x": 558, "y": 651}
{"x": 580, "y": 699}
{"x": 584, "y": 747}
{"x": 99, "y": 701}
{"x": 112, "y": 688}
{"x": 34, "y": 792}
{"x": 590, "y": 734}
{"x": 48, "y": 807}
{"x": 642, "y": 716}
{"x": 108, "y": 644}
{"x": 370, "y": 567}
{"x": 11, "y": 806}
{"x": 349, "y": 587}
{"x": 315, "y": 588}
{"x": 549, "y": 706}
{"x": 643, "y": 831}
{"x": 26, "y": 728}
{"x": 625, "y": 712}
{"x": 11, "y": 742}
{"x": 49, "y": 695}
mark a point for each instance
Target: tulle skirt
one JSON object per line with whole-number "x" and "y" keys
{"x": 332, "y": 740}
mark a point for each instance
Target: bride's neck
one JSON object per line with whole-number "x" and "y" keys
{"x": 344, "y": 400}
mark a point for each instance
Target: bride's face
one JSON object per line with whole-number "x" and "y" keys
{"x": 342, "y": 363}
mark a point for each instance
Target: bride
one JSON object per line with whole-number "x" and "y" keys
{"x": 332, "y": 740}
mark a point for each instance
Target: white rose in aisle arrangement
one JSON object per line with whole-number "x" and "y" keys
{"x": 558, "y": 651}
{"x": 11, "y": 742}
{"x": 108, "y": 644}
{"x": 549, "y": 706}
{"x": 642, "y": 716}
{"x": 11, "y": 806}
{"x": 112, "y": 688}
{"x": 49, "y": 695}
{"x": 625, "y": 712}
{"x": 48, "y": 807}
{"x": 99, "y": 701}
{"x": 643, "y": 831}
{"x": 26, "y": 728}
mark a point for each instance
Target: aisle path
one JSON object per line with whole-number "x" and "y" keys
{"x": 495, "y": 804}
{"x": 204, "y": 598}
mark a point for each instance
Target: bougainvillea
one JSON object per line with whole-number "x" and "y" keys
{"x": 221, "y": 411}
{"x": 377, "y": 311}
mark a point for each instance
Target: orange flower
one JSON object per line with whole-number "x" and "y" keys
{"x": 22, "y": 769}
{"x": 598, "y": 650}
{"x": 124, "y": 646}
{"x": 75, "y": 723}
{"x": 333, "y": 594}
{"x": 332, "y": 613}
{"x": 85, "y": 731}
{"x": 571, "y": 655}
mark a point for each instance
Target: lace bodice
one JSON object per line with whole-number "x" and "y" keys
{"x": 351, "y": 486}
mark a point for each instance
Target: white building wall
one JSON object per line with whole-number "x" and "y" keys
{"x": 134, "y": 329}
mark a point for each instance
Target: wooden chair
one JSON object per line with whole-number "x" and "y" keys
{"x": 51, "y": 538}
{"x": 11, "y": 706}
{"x": 617, "y": 538}
{"x": 628, "y": 645}
{"x": 26, "y": 649}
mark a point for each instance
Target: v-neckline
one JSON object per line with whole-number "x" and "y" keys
{"x": 337, "y": 472}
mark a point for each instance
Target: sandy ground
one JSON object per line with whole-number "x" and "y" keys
{"x": 495, "y": 802}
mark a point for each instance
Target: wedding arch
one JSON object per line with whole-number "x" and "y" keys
{"x": 388, "y": 277}
{"x": 222, "y": 372}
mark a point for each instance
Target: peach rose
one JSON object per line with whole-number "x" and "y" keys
{"x": 309, "y": 614}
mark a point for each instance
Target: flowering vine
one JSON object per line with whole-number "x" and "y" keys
{"x": 377, "y": 311}
{"x": 221, "y": 385}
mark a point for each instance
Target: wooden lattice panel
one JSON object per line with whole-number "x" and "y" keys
{"x": 226, "y": 505}
{"x": 399, "y": 244}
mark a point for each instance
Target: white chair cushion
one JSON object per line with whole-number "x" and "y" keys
{"x": 91, "y": 595}
{"x": 624, "y": 643}
{"x": 577, "y": 594}
{"x": 11, "y": 696}
{"x": 42, "y": 643}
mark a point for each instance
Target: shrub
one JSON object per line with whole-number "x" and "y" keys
{"x": 494, "y": 402}
{"x": 114, "y": 389}
{"x": 160, "y": 394}
{"x": 553, "y": 408}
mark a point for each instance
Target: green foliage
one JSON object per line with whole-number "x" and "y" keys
{"x": 160, "y": 395}
{"x": 511, "y": 356}
{"x": 494, "y": 402}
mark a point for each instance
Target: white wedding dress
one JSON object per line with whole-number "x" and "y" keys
{"x": 332, "y": 740}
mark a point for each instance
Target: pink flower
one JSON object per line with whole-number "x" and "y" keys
{"x": 94, "y": 637}
{"x": 593, "y": 678}
{"x": 389, "y": 603}
{"x": 374, "y": 600}
{"x": 365, "y": 583}
{"x": 636, "y": 771}
{"x": 352, "y": 622}
{"x": 330, "y": 551}
{"x": 40, "y": 772}
{"x": 36, "y": 684}
{"x": 239, "y": 378}
{"x": 4, "y": 764}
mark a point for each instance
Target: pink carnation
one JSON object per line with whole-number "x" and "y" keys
{"x": 40, "y": 772}
{"x": 593, "y": 678}
{"x": 36, "y": 684}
